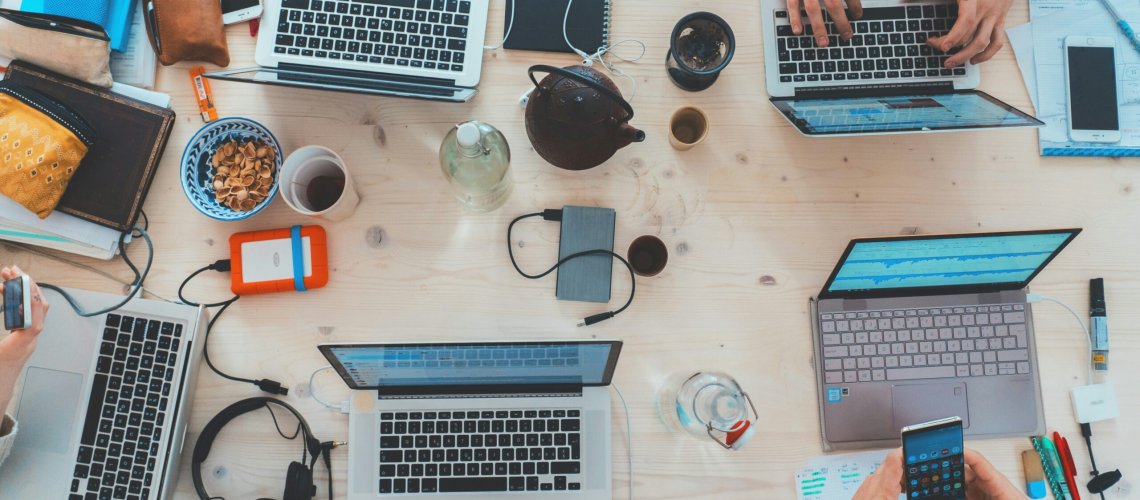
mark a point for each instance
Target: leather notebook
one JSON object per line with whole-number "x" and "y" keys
{"x": 538, "y": 25}
{"x": 112, "y": 181}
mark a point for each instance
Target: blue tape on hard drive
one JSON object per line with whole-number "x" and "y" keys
{"x": 298, "y": 260}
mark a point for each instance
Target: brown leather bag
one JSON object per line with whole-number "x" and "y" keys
{"x": 186, "y": 30}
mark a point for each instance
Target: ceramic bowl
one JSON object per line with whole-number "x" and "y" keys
{"x": 197, "y": 171}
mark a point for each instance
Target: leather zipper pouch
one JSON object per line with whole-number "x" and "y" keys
{"x": 42, "y": 143}
{"x": 70, "y": 47}
{"x": 187, "y": 30}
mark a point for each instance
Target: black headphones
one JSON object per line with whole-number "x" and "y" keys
{"x": 298, "y": 481}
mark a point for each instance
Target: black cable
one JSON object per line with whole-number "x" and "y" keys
{"x": 136, "y": 284}
{"x": 267, "y": 385}
{"x": 556, "y": 215}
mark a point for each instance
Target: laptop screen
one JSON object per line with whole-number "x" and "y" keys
{"x": 366, "y": 366}
{"x": 903, "y": 113}
{"x": 1004, "y": 260}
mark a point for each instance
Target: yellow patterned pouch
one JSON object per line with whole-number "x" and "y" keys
{"x": 42, "y": 143}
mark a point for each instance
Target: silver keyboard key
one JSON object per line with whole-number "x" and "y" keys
{"x": 828, "y": 326}
{"x": 940, "y": 346}
{"x": 920, "y": 373}
{"x": 1000, "y": 330}
{"x": 877, "y": 362}
{"x": 835, "y": 351}
{"x": 842, "y": 326}
{"x": 878, "y": 375}
{"x": 833, "y": 377}
{"x": 856, "y": 350}
{"x": 890, "y": 336}
{"x": 1016, "y": 355}
{"x": 947, "y": 358}
{"x": 832, "y": 364}
{"x": 849, "y": 364}
{"x": 1023, "y": 367}
{"x": 875, "y": 337}
{"x": 849, "y": 377}
{"x": 892, "y": 361}
{"x": 884, "y": 323}
{"x": 861, "y": 337}
{"x": 925, "y": 347}
{"x": 864, "y": 363}
{"x": 976, "y": 357}
{"x": 883, "y": 349}
{"x": 967, "y": 345}
{"x": 1009, "y": 342}
{"x": 848, "y": 338}
{"x": 897, "y": 349}
{"x": 991, "y": 369}
{"x": 926, "y": 321}
{"x": 830, "y": 339}
{"x": 976, "y": 371}
{"x": 962, "y": 370}
{"x": 920, "y": 360}
{"x": 864, "y": 375}
{"x": 961, "y": 358}
{"x": 856, "y": 325}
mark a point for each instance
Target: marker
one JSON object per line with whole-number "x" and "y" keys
{"x": 1098, "y": 319}
{"x": 1124, "y": 26}
{"x": 1067, "y": 464}
{"x": 1052, "y": 461}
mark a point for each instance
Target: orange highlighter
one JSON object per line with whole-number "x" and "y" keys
{"x": 1067, "y": 464}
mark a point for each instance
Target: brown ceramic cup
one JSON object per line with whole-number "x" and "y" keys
{"x": 648, "y": 256}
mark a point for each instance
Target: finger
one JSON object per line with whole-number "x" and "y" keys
{"x": 855, "y": 8}
{"x": 6, "y": 273}
{"x": 17, "y": 272}
{"x": 976, "y": 46}
{"x": 962, "y": 30}
{"x": 819, "y": 29}
{"x": 982, "y": 469}
{"x": 794, "y": 18}
{"x": 839, "y": 17}
{"x": 995, "y": 45}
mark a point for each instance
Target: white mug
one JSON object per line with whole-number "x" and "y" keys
{"x": 318, "y": 164}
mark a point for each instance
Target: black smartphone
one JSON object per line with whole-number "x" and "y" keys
{"x": 932, "y": 460}
{"x": 17, "y": 303}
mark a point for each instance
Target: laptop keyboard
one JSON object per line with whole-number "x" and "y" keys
{"x": 429, "y": 34}
{"x": 889, "y": 43}
{"x": 480, "y": 451}
{"x": 129, "y": 395}
{"x": 907, "y": 344}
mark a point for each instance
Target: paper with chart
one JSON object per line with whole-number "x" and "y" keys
{"x": 837, "y": 477}
{"x": 1049, "y": 32}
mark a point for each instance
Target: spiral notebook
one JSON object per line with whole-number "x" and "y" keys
{"x": 538, "y": 25}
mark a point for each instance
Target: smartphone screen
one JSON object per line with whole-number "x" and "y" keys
{"x": 1092, "y": 88}
{"x": 14, "y": 304}
{"x": 933, "y": 465}
{"x": 236, "y": 5}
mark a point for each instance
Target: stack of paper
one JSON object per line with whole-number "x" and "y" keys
{"x": 137, "y": 64}
{"x": 1039, "y": 47}
{"x": 64, "y": 232}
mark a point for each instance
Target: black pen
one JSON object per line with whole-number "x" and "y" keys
{"x": 1098, "y": 320}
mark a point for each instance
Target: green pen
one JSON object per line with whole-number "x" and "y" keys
{"x": 1056, "y": 472}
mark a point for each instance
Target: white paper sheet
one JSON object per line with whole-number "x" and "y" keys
{"x": 1021, "y": 41}
{"x": 837, "y": 477}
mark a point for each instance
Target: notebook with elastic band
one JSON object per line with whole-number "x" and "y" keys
{"x": 537, "y": 25}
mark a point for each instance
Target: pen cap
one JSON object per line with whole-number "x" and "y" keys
{"x": 1096, "y": 295}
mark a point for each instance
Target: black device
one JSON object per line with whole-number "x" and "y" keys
{"x": 298, "y": 480}
{"x": 933, "y": 460}
{"x": 17, "y": 303}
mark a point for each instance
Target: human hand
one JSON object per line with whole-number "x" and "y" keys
{"x": 979, "y": 31}
{"x": 886, "y": 482}
{"x": 984, "y": 482}
{"x": 16, "y": 348}
{"x": 815, "y": 16}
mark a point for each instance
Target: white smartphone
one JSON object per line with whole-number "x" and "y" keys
{"x": 1090, "y": 71}
{"x": 237, "y": 11}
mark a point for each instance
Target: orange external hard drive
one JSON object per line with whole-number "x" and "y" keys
{"x": 279, "y": 260}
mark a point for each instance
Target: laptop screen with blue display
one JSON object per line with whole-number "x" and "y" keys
{"x": 959, "y": 260}
{"x": 903, "y": 113}
{"x": 422, "y": 365}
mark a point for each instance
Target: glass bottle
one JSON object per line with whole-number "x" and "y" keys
{"x": 476, "y": 160}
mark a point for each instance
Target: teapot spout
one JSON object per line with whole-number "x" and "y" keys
{"x": 630, "y": 134}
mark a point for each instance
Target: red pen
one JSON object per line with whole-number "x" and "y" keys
{"x": 1067, "y": 462}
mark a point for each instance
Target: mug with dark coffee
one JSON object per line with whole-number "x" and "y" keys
{"x": 315, "y": 182}
{"x": 648, "y": 255}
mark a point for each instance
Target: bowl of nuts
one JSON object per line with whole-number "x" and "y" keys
{"x": 230, "y": 169}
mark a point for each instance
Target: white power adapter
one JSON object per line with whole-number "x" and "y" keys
{"x": 1094, "y": 403}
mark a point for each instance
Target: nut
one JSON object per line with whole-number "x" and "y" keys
{"x": 243, "y": 174}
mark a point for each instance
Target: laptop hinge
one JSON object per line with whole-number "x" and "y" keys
{"x": 480, "y": 391}
{"x": 875, "y": 90}
{"x": 367, "y": 75}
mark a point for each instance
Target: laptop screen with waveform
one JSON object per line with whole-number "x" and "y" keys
{"x": 946, "y": 261}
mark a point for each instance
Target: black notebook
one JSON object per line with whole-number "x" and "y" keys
{"x": 538, "y": 25}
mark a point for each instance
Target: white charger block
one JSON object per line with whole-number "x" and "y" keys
{"x": 1094, "y": 403}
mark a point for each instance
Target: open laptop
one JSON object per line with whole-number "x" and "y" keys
{"x": 429, "y": 49}
{"x": 911, "y": 329}
{"x": 884, "y": 80}
{"x": 484, "y": 420}
{"x": 103, "y": 402}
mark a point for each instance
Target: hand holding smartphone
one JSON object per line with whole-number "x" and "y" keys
{"x": 18, "y": 303}
{"x": 933, "y": 461}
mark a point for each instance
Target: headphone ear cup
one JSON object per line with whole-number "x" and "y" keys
{"x": 299, "y": 483}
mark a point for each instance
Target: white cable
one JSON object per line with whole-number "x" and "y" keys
{"x": 343, "y": 407}
{"x": 1033, "y": 297}
{"x": 628, "y": 436}
{"x": 600, "y": 55}
{"x": 507, "y": 34}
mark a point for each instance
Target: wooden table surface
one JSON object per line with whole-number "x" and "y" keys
{"x": 754, "y": 218}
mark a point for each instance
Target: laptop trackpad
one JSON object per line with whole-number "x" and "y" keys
{"x": 917, "y": 403}
{"x": 48, "y": 402}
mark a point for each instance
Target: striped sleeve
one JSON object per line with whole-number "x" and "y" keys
{"x": 8, "y": 429}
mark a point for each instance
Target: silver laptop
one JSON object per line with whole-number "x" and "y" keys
{"x": 103, "y": 403}
{"x": 429, "y": 49}
{"x": 916, "y": 328}
{"x": 886, "y": 79}
{"x": 485, "y": 420}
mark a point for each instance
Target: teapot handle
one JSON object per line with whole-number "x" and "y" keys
{"x": 588, "y": 82}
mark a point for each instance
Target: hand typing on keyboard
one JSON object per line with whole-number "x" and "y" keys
{"x": 979, "y": 31}
{"x": 839, "y": 16}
